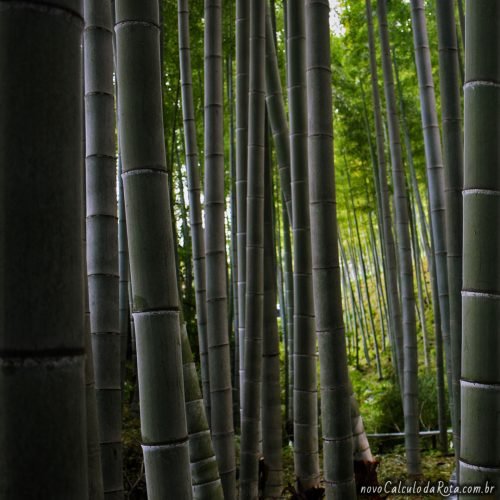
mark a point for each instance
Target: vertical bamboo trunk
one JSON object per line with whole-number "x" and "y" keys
{"x": 271, "y": 389}
{"x": 215, "y": 244}
{"x": 435, "y": 178}
{"x": 453, "y": 180}
{"x": 242, "y": 64}
{"x": 305, "y": 405}
{"x": 288, "y": 272}
{"x": 334, "y": 377}
{"x": 277, "y": 115}
{"x": 361, "y": 305}
{"x": 441, "y": 390}
{"x": 389, "y": 263}
{"x": 95, "y": 487}
{"x": 123, "y": 270}
{"x": 42, "y": 344}
{"x": 410, "y": 370}
{"x": 251, "y": 407}
{"x": 194, "y": 189}
{"x": 102, "y": 237}
{"x": 234, "y": 244}
{"x": 419, "y": 277}
{"x": 94, "y": 464}
{"x": 204, "y": 469}
{"x": 363, "y": 275}
{"x": 480, "y": 383}
{"x": 409, "y": 155}
{"x": 380, "y": 280}
{"x": 151, "y": 249}
{"x": 356, "y": 308}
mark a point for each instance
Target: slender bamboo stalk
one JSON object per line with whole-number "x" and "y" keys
{"x": 42, "y": 342}
{"x": 305, "y": 405}
{"x": 215, "y": 245}
{"x": 363, "y": 275}
{"x": 389, "y": 248}
{"x": 409, "y": 155}
{"x": 410, "y": 372}
{"x": 356, "y": 308}
{"x": 123, "y": 270}
{"x": 288, "y": 272}
{"x": 441, "y": 391}
{"x": 480, "y": 383}
{"x": 251, "y": 407}
{"x": 102, "y": 237}
{"x": 94, "y": 463}
{"x": 361, "y": 305}
{"x": 271, "y": 390}
{"x": 419, "y": 278}
{"x": 234, "y": 243}
{"x": 151, "y": 248}
{"x": 461, "y": 18}
{"x": 435, "y": 179}
{"x": 194, "y": 190}
{"x": 277, "y": 116}
{"x": 335, "y": 394}
{"x": 377, "y": 272}
{"x": 242, "y": 64}
{"x": 453, "y": 180}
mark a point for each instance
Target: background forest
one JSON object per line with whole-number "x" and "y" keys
{"x": 259, "y": 247}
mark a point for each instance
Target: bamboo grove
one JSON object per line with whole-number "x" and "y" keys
{"x": 265, "y": 232}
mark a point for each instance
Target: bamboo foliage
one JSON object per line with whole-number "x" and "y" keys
{"x": 215, "y": 258}
{"x": 480, "y": 382}
{"x": 42, "y": 344}
{"x": 151, "y": 249}
{"x": 194, "y": 189}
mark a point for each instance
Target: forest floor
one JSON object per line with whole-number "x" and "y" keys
{"x": 392, "y": 465}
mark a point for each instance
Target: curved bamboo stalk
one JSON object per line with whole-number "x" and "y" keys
{"x": 151, "y": 248}
{"x": 480, "y": 383}
{"x": 219, "y": 363}
{"x": 334, "y": 377}
{"x": 204, "y": 469}
{"x": 42, "y": 342}
{"x": 194, "y": 189}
